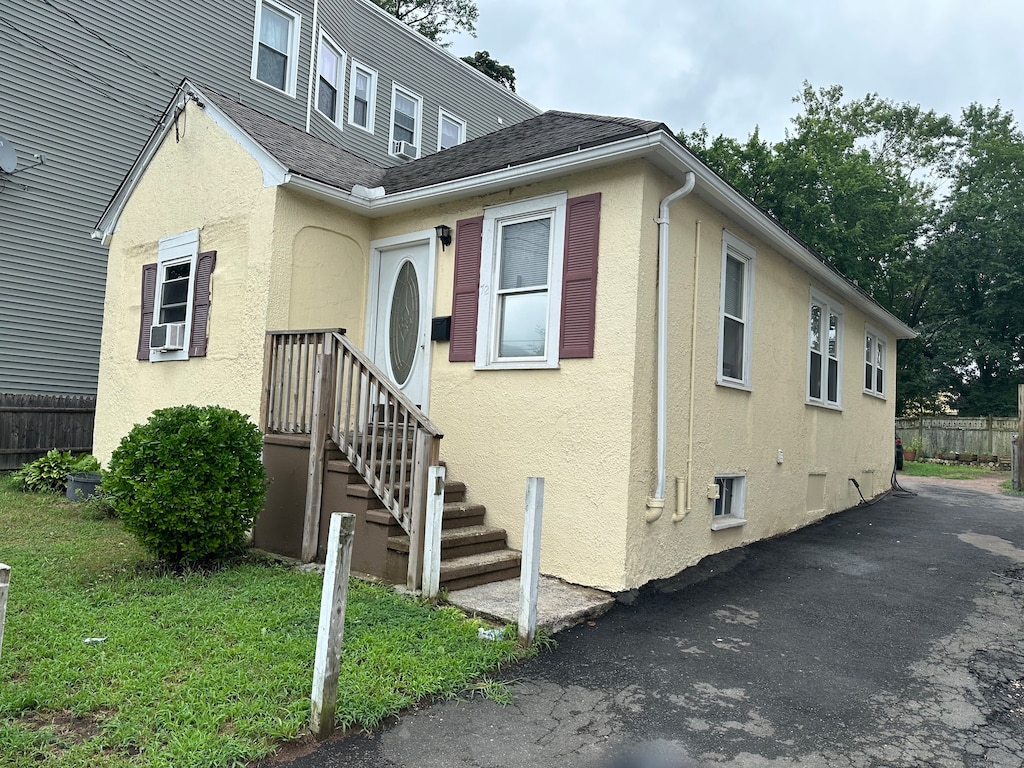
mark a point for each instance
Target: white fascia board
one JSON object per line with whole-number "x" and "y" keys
{"x": 765, "y": 227}
{"x": 673, "y": 157}
{"x": 274, "y": 173}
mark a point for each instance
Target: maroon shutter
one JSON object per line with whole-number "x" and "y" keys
{"x": 205, "y": 263}
{"x": 148, "y": 298}
{"x": 466, "y": 294}
{"x": 579, "y": 276}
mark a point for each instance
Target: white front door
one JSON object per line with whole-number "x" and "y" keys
{"x": 400, "y": 305}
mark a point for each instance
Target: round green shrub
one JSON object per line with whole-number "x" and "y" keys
{"x": 189, "y": 482}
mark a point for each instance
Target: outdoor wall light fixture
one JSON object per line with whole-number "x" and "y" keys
{"x": 444, "y": 234}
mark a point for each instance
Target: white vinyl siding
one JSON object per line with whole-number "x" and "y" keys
{"x": 276, "y": 46}
{"x": 737, "y": 299}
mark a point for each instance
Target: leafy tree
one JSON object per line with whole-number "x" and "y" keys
{"x": 856, "y": 180}
{"x": 979, "y": 253}
{"x": 494, "y": 69}
{"x": 434, "y": 19}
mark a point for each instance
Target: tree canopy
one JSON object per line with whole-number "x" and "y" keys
{"x": 925, "y": 212}
{"x": 494, "y": 69}
{"x": 434, "y": 19}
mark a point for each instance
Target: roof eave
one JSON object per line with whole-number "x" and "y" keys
{"x": 274, "y": 172}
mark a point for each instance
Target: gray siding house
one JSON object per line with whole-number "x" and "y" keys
{"x": 84, "y": 83}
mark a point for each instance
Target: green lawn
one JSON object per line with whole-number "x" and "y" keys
{"x": 201, "y": 669}
{"x": 948, "y": 471}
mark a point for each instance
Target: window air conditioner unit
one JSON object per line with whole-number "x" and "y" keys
{"x": 166, "y": 337}
{"x": 405, "y": 150}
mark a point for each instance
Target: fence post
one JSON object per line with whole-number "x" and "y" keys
{"x": 432, "y": 533}
{"x": 5, "y": 580}
{"x": 529, "y": 573}
{"x": 1019, "y": 463}
{"x": 331, "y": 630}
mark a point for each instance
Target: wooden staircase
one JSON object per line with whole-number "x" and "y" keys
{"x": 471, "y": 553}
{"x": 370, "y": 450}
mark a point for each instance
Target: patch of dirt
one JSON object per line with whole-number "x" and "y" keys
{"x": 989, "y": 483}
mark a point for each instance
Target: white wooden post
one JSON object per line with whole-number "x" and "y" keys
{"x": 5, "y": 580}
{"x": 331, "y": 630}
{"x": 432, "y": 532}
{"x": 323, "y": 404}
{"x": 530, "y": 568}
{"x": 1018, "y": 467}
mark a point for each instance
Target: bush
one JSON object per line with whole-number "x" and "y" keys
{"x": 48, "y": 474}
{"x": 189, "y": 482}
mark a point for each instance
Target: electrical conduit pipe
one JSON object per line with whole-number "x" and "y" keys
{"x": 656, "y": 502}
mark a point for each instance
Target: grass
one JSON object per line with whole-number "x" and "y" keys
{"x": 948, "y": 471}
{"x": 1007, "y": 486}
{"x": 196, "y": 669}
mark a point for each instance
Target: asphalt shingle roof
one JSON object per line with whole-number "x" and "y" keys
{"x": 548, "y": 135}
{"x": 297, "y": 150}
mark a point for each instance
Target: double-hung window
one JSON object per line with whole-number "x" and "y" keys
{"x": 825, "y": 348}
{"x": 451, "y": 131}
{"x": 276, "y": 46}
{"x": 173, "y": 296}
{"x": 874, "y": 363}
{"x": 362, "y": 100}
{"x": 330, "y": 78}
{"x": 176, "y": 300}
{"x": 520, "y": 284}
{"x": 735, "y": 328}
{"x": 406, "y": 113}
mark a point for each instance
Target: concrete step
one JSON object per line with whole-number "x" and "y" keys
{"x": 459, "y": 514}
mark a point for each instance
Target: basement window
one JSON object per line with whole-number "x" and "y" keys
{"x": 729, "y": 506}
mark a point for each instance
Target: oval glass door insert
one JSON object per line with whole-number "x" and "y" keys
{"x": 404, "y": 325}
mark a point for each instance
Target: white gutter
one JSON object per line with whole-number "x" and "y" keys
{"x": 656, "y": 502}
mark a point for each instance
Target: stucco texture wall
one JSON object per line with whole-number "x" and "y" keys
{"x": 737, "y": 431}
{"x": 284, "y": 261}
{"x": 572, "y": 425}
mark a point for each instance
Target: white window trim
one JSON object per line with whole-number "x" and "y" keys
{"x": 487, "y": 312}
{"x": 828, "y": 306}
{"x": 371, "y": 106}
{"x": 733, "y": 246}
{"x": 292, "y": 74}
{"x": 339, "y": 120}
{"x": 417, "y": 137}
{"x": 442, "y": 115}
{"x": 877, "y": 338}
{"x": 738, "y": 517}
{"x": 176, "y": 249}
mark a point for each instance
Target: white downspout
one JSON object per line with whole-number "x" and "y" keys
{"x": 656, "y": 502}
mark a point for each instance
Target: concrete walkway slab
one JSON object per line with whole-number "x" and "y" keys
{"x": 559, "y": 604}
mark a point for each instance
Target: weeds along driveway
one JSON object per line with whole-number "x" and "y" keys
{"x": 891, "y": 635}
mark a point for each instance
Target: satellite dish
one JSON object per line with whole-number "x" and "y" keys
{"x": 8, "y": 156}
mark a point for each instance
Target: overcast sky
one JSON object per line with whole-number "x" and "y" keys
{"x": 734, "y": 64}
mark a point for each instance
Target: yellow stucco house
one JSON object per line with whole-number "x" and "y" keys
{"x": 609, "y": 315}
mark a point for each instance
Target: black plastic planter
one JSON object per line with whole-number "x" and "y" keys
{"x": 83, "y": 485}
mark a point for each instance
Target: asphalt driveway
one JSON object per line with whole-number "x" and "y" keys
{"x": 891, "y": 635}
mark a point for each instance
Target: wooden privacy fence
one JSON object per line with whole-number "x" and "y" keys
{"x": 984, "y": 435}
{"x": 30, "y": 425}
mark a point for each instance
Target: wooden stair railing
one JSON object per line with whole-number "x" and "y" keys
{"x": 318, "y": 383}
